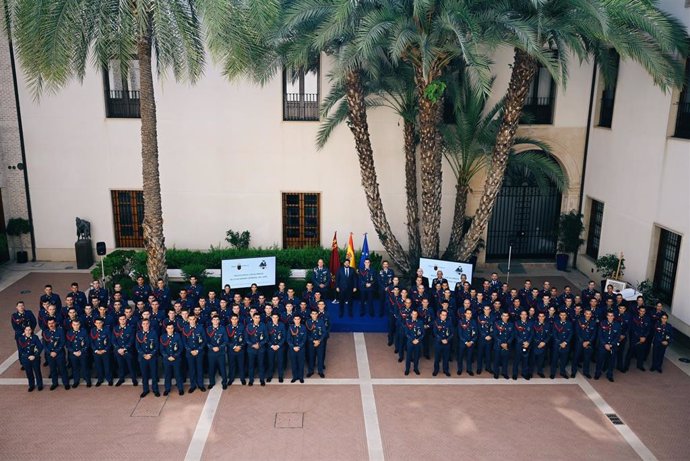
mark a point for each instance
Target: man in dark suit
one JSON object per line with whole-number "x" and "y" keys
{"x": 345, "y": 286}
{"x": 419, "y": 274}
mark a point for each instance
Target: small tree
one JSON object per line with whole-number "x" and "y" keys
{"x": 17, "y": 227}
{"x": 607, "y": 265}
{"x": 238, "y": 240}
{"x": 570, "y": 227}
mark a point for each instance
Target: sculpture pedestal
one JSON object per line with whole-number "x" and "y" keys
{"x": 84, "y": 252}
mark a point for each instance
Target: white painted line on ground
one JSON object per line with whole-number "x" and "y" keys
{"x": 467, "y": 382}
{"x": 627, "y": 433}
{"x": 366, "y": 389}
{"x": 673, "y": 356}
{"x": 203, "y": 426}
{"x": 4, "y": 366}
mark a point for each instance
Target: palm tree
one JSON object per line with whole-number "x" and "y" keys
{"x": 55, "y": 38}
{"x": 467, "y": 146}
{"x": 636, "y": 29}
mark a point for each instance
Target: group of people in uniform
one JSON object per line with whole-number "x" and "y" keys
{"x": 110, "y": 335}
{"x": 507, "y": 331}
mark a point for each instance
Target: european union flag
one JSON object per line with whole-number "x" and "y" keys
{"x": 365, "y": 253}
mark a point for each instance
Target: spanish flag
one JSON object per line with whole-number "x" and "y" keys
{"x": 350, "y": 253}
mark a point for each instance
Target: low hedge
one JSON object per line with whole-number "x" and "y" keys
{"x": 122, "y": 266}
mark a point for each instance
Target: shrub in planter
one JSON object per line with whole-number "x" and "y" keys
{"x": 570, "y": 228}
{"x": 608, "y": 264}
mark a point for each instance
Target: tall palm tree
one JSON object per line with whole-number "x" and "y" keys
{"x": 56, "y": 38}
{"x": 467, "y": 146}
{"x": 636, "y": 29}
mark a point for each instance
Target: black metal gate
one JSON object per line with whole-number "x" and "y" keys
{"x": 525, "y": 216}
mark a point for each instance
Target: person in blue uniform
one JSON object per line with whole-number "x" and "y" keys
{"x": 296, "y": 342}
{"x": 275, "y": 348}
{"x": 146, "y": 342}
{"x": 663, "y": 334}
{"x": 346, "y": 287}
{"x": 402, "y": 316}
{"x": 562, "y": 335}
{"x": 485, "y": 322}
{"x": 316, "y": 331}
{"x": 193, "y": 336}
{"x": 194, "y": 290}
{"x": 367, "y": 285}
{"x": 443, "y": 333}
{"x": 414, "y": 333}
{"x": 162, "y": 294}
{"x": 49, "y": 296}
{"x": 22, "y": 318}
{"x": 141, "y": 290}
{"x": 100, "y": 342}
{"x": 385, "y": 281}
{"x": 608, "y": 338}
{"x": 427, "y": 316}
{"x": 77, "y": 343}
{"x": 467, "y": 339}
{"x": 503, "y": 335}
{"x": 256, "y": 337}
{"x": 585, "y": 336}
{"x": 321, "y": 278}
{"x": 541, "y": 336}
{"x": 123, "y": 350}
{"x": 523, "y": 346}
{"x": 97, "y": 291}
{"x": 623, "y": 317}
{"x": 54, "y": 346}
{"x": 29, "y": 348}
{"x": 235, "y": 333}
{"x": 171, "y": 348}
{"x": 640, "y": 326}
{"x": 216, "y": 343}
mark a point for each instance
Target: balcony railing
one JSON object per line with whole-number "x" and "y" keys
{"x": 606, "y": 112}
{"x": 683, "y": 121}
{"x": 122, "y": 104}
{"x": 301, "y": 106}
{"x": 538, "y": 111}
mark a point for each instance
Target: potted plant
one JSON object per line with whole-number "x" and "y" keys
{"x": 17, "y": 227}
{"x": 610, "y": 266}
{"x": 570, "y": 227}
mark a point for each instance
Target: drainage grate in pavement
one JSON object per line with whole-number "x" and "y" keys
{"x": 149, "y": 407}
{"x": 615, "y": 419}
{"x": 25, "y": 292}
{"x": 289, "y": 420}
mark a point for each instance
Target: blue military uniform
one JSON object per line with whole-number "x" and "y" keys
{"x": 30, "y": 346}
{"x": 639, "y": 329}
{"x": 402, "y": 313}
{"x": 503, "y": 333}
{"x": 523, "y": 334}
{"x": 171, "y": 348}
{"x": 216, "y": 337}
{"x": 141, "y": 293}
{"x": 163, "y": 296}
{"x": 467, "y": 332}
{"x": 123, "y": 338}
{"x": 321, "y": 276}
{"x": 194, "y": 292}
{"x": 275, "y": 362}
{"x": 235, "y": 357}
{"x": 662, "y": 333}
{"x": 414, "y": 330}
{"x": 442, "y": 331}
{"x": 100, "y": 341}
{"x": 297, "y": 338}
{"x": 484, "y": 330}
{"x": 77, "y": 342}
{"x": 366, "y": 293}
{"x": 255, "y": 335}
{"x": 541, "y": 333}
{"x": 54, "y": 341}
{"x": 609, "y": 334}
{"x": 585, "y": 331}
{"x": 147, "y": 344}
{"x": 316, "y": 331}
{"x": 384, "y": 281}
{"x": 20, "y": 321}
{"x": 427, "y": 317}
{"x": 562, "y": 333}
{"x": 193, "y": 338}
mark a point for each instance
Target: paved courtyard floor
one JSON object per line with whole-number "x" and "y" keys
{"x": 365, "y": 408}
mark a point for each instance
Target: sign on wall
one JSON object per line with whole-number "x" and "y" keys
{"x": 241, "y": 273}
{"x": 452, "y": 270}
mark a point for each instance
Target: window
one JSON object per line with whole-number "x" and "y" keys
{"x": 666, "y": 264}
{"x": 609, "y": 93}
{"x": 122, "y": 91}
{"x": 128, "y": 215}
{"x": 538, "y": 108}
{"x": 301, "y": 216}
{"x": 683, "y": 116}
{"x": 596, "y": 217}
{"x": 301, "y": 96}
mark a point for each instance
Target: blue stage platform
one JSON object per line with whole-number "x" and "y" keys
{"x": 356, "y": 323}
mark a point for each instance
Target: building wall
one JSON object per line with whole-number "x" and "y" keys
{"x": 641, "y": 173}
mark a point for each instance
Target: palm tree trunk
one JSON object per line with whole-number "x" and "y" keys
{"x": 154, "y": 240}
{"x": 430, "y": 156}
{"x": 461, "y": 192}
{"x": 411, "y": 190}
{"x": 360, "y": 130}
{"x": 524, "y": 68}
